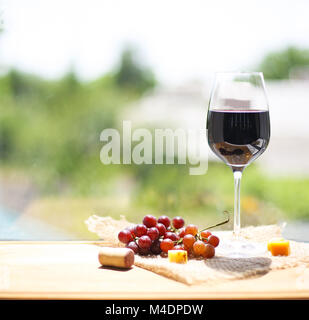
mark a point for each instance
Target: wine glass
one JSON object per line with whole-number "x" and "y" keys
{"x": 238, "y": 125}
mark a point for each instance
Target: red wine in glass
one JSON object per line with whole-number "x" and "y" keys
{"x": 238, "y": 136}
{"x": 238, "y": 124}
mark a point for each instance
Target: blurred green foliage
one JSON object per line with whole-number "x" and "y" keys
{"x": 279, "y": 64}
{"x": 131, "y": 74}
{"x": 265, "y": 199}
{"x": 52, "y": 128}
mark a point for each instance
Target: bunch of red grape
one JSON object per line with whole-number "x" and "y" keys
{"x": 157, "y": 236}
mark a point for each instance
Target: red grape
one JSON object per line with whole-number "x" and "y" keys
{"x": 153, "y": 233}
{"x": 188, "y": 241}
{"x": 166, "y": 244}
{"x": 143, "y": 251}
{"x": 209, "y": 252}
{"x": 205, "y": 234}
{"x": 132, "y": 230}
{"x": 149, "y": 221}
{"x": 178, "y": 222}
{"x": 165, "y": 220}
{"x": 161, "y": 228}
{"x": 181, "y": 232}
{"x": 140, "y": 230}
{"x": 191, "y": 229}
{"x": 213, "y": 240}
{"x": 125, "y": 236}
{"x": 133, "y": 246}
{"x": 178, "y": 247}
{"x": 199, "y": 248}
{"x": 155, "y": 247}
{"x": 144, "y": 242}
{"x": 171, "y": 235}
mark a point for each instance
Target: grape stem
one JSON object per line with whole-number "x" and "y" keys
{"x": 173, "y": 229}
{"x": 218, "y": 224}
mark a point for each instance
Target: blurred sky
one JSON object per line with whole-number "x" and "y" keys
{"x": 180, "y": 40}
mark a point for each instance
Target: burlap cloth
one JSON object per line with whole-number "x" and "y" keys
{"x": 219, "y": 268}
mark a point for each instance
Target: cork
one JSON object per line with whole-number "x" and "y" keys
{"x": 116, "y": 257}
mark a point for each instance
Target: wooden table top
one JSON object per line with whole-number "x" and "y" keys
{"x": 72, "y": 271}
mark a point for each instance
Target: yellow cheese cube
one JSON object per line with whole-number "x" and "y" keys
{"x": 177, "y": 256}
{"x": 273, "y": 240}
{"x": 279, "y": 247}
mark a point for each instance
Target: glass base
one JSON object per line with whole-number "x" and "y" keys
{"x": 240, "y": 248}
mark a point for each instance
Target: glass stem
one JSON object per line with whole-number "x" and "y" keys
{"x": 237, "y": 179}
